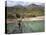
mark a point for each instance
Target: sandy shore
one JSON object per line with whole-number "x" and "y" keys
{"x": 34, "y": 18}
{"x": 26, "y": 19}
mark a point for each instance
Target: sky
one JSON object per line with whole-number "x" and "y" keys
{"x": 23, "y": 2}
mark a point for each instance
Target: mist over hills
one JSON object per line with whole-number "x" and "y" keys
{"x": 12, "y": 3}
{"x": 16, "y": 3}
{"x": 20, "y": 4}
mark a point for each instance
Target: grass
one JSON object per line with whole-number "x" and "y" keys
{"x": 27, "y": 26}
{"x": 34, "y": 26}
{"x": 27, "y": 12}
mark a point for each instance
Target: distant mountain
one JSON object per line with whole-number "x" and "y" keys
{"x": 25, "y": 4}
{"x": 35, "y": 6}
{"x": 20, "y": 4}
{"x": 29, "y": 7}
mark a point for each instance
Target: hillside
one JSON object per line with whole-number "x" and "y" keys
{"x": 31, "y": 10}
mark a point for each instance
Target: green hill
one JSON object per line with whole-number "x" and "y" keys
{"x": 29, "y": 11}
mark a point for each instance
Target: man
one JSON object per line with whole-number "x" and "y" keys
{"x": 19, "y": 24}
